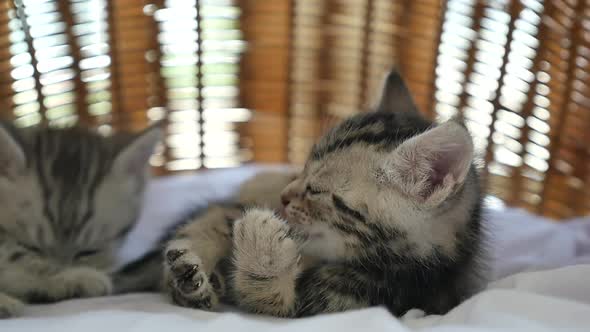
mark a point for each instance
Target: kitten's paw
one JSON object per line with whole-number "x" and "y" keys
{"x": 10, "y": 307}
{"x": 83, "y": 282}
{"x": 264, "y": 245}
{"x": 189, "y": 285}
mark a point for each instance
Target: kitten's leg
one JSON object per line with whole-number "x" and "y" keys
{"x": 333, "y": 287}
{"x": 55, "y": 285}
{"x": 266, "y": 259}
{"x": 10, "y": 306}
{"x": 191, "y": 258}
{"x": 77, "y": 282}
{"x": 70, "y": 283}
{"x": 268, "y": 277}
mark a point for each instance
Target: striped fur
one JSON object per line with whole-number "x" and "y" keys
{"x": 68, "y": 197}
{"x": 386, "y": 212}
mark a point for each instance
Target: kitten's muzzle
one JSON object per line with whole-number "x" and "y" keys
{"x": 285, "y": 199}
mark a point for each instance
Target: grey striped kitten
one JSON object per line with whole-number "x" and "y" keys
{"x": 67, "y": 199}
{"x": 386, "y": 212}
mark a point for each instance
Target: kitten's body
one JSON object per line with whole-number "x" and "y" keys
{"x": 386, "y": 212}
{"x": 67, "y": 199}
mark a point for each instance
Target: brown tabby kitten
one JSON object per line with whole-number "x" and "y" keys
{"x": 386, "y": 212}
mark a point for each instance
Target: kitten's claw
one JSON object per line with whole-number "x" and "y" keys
{"x": 190, "y": 286}
{"x": 173, "y": 255}
{"x": 185, "y": 272}
{"x": 189, "y": 281}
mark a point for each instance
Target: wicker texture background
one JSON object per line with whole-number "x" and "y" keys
{"x": 260, "y": 80}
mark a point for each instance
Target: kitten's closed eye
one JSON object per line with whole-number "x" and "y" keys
{"x": 86, "y": 253}
{"x": 314, "y": 190}
{"x": 33, "y": 249}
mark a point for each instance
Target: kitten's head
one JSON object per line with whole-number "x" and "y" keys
{"x": 386, "y": 179}
{"x": 69, "y": 196}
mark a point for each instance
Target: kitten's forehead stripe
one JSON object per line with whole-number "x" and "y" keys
{"x": 70, "y": 164}
{"x": 384, "y": 130}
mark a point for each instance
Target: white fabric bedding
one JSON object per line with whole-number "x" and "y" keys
{"x": 542, "y": 273}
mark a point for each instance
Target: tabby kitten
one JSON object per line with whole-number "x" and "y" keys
{"x": 67, "y": 199}
{"x": 386, "y": 212}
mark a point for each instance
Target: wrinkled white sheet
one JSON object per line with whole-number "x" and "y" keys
{"x": 541, "y": 272}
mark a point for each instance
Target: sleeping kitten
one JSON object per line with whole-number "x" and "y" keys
{"x": 67, "y": 199}
{"x": 385, "y": 213}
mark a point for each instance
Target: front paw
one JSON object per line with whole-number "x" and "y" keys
{"x": 10, "y": 307}
{"x": 264, "y": 246}
{"x": 77, "y": 283}
{"x": 189, "y": 285}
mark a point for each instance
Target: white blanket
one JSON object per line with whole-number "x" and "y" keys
{"x": 542, "y": 273}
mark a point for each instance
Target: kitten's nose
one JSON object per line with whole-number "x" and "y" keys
{"x": 289, "y": 193}
{"x": 285, "y": 199}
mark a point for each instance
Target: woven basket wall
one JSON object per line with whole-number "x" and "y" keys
{"x": 243, "y": 80}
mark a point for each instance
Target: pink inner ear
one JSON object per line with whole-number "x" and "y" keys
{"x": 440, "y": 169}
{"x": 442, "y": 166}
{"x": 450, "y": 160}
{"x": 430, "y": 165}
{"x": 435, "y": 178}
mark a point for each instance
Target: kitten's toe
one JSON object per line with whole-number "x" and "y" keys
{"x": 184, "y": 270}
{"x": 10, "y": 307}
{"x": 189, "y": 285}
{"x": 217, "y": 282}
{"x": 195, "y": 292}
{"x": 207, "y": 299}
{"x": 173, "y": 254}
{"x": 264, "y": 245}
{"x": 188, "y": 277}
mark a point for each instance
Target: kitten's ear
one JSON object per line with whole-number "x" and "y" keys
{"x": 12, "y": 156}
{"x": 395, "y": 95}
{"x": 133, "y": 158}
{"x": 430, "y": 166}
